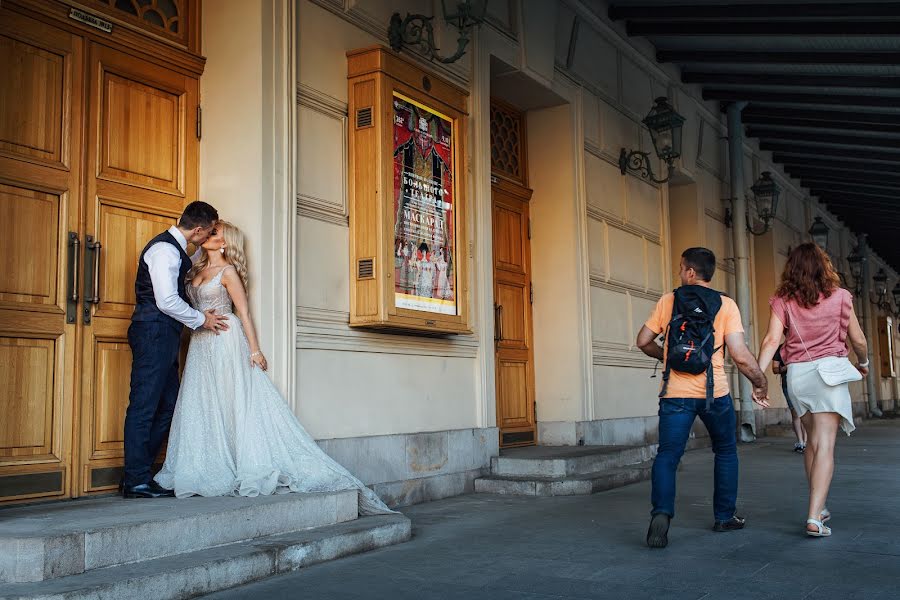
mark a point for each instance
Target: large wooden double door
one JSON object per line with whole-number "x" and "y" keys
{"x": 98, "y": 153}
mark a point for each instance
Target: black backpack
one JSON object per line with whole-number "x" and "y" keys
{"x": 690, "y": 335}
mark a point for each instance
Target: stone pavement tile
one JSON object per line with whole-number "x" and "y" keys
{"x": 762, "y": 590}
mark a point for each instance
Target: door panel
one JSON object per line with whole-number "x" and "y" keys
{"x": 142, "y": 121}
{"x": 513, "y": 325}
{"x": 31, "y": 270}
{"x": 35, "y": 100}
{"x": 142, "y": 131}
{"x": 40, "y": 110}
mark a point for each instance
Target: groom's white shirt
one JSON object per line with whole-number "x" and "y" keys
{"x": 164, "y": 263}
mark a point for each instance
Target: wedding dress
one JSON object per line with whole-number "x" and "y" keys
{"x": 232, "y": 432}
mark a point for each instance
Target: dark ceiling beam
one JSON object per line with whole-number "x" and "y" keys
{"x": 860, "y": 177}
{"x": 767, "y": 27}
{"x": 735, "y": 95}
{"x": 763, "y": 78}
{"x": 781, "y": 58}
{"x": 850, "y": 192}
{"x": 768, "y": 10}
{"x": 824, "y": 138}
{"x": 835, "y": 116}
{"x": 832, "y": 153}
{"x": 834, "y": 164}
{"x": 837, "y": 126}
{"x": 842, "y": 184}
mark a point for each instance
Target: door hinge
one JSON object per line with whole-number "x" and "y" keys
{"x": 531, "y": 293}
{"x": 199, "y": 121}
{"x": 529, "y": 228}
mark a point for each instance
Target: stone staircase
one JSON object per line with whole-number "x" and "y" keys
{"x": 166, "y": 548}
{"x": 565, "y": 470}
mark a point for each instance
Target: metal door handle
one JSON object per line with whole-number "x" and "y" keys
{"x": 72, "y": 286}
{"x": 91, "y": 275}
{"x": 498, "y": 322}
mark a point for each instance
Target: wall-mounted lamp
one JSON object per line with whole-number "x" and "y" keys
{"x": 896, "y": 294}
{"x": 818, "y": 231}
{"x": 417, "y": 30}
{"x": 881, "y": 292}
{"x": 664, "y": 124}
{"x": 765, "y": 194}
{"x": 855, "y": 260}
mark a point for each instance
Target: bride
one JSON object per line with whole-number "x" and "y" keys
{"x": 232, "y": 433}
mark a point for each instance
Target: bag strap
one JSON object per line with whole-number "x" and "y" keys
{"x": 787, "y": 307}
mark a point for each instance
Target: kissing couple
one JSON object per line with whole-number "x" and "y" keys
{"x": 231, "y": 431}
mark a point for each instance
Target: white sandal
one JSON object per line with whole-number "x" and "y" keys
{"x": 825, "y": 515}
{"x": 823, "y": 531}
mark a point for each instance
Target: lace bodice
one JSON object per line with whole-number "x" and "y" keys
{"x": 211, "y": 294}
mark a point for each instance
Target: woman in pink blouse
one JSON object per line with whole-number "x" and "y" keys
{"x": 817, "y": 319}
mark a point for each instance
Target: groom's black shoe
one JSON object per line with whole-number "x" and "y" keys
{"x": 147, "y": 490}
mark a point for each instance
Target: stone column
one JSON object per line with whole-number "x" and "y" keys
{"x": 867, "y": 325}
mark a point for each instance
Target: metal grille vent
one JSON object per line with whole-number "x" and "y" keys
{"x": 365, "y": 268}
{"x": 518, "y": 437}
{"x": 364, "y": 117}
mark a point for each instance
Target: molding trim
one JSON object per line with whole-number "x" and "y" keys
{"x": 609, "y": 354}
{"x": 307, "y": 205}
{"x": 599, "y": 280}
{"x": 616, "y": 221}
{"x": 328, "y": 329}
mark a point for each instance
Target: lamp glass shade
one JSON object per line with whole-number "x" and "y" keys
{"x": 880, "y": 280}
{"x": 766, "y": 193}
{"x": 818, "y": 231}
{"x": 665, "y": 126}
{"x": 855, "y": 262}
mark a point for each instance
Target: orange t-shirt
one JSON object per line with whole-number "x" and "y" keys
{"x": 685, "y": 385}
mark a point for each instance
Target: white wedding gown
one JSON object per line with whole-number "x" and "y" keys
{"x": 232, "y": 433}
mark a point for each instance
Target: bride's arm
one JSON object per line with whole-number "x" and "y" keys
{"x": 235, "y": 288}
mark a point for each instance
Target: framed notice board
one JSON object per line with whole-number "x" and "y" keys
{"x": 407, "y": 196}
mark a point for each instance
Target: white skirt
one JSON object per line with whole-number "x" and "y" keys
{"x": 810, "y": 394}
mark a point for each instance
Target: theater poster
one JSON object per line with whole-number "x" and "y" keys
{"x": 424, "y": 216}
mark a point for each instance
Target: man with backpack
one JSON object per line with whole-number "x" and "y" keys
{"x": 698, "y": 324}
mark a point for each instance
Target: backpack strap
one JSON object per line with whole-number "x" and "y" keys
{"x": 666, "y": 369}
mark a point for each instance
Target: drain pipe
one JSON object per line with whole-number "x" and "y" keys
{"x": 741, "y": 253}
{"x": 868, "y": 322}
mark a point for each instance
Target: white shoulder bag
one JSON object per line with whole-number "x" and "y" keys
{"x": 834, "y": 370}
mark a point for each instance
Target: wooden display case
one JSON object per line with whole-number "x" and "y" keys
{"x": 407, "y": 196}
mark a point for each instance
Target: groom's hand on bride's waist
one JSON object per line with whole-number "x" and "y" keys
{"x": 215, "y": 322}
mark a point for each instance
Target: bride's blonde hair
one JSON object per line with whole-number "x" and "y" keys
{"x": 234, "y": 253}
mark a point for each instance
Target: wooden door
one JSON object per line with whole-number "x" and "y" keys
{"x": 512, "y": 314}
{"x": 141, "y": 169}
{"x": 40, "y": 133}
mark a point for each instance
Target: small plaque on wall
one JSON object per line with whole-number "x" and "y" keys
{"x": 407, "y": 196}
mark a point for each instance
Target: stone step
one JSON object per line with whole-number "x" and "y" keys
{"x": 213, "y": 569}
{"x": 46, "y": 541}
{"x": 564, "y": 486}
{"x": 566, "y": 461}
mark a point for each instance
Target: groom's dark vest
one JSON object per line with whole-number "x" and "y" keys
{"x": 146, "y": 309}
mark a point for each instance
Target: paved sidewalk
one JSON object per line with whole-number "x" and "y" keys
{"x": 495, "y": 547}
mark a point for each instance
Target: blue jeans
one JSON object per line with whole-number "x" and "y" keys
{"x": 676, "y": 416}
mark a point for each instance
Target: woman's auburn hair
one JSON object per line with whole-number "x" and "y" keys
{"x": 808, "y": 275}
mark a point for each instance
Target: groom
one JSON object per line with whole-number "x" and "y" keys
{"x": 155, "y": 337}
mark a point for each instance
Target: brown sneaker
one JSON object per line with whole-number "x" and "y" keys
{"x": 732, "y": 524}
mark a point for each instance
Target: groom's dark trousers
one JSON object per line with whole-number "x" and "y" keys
{"x": 154, "y": 389}
{"x": 155, "y": 339}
